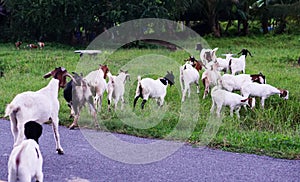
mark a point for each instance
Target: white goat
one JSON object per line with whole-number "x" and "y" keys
{"x": 222, "y": 98}
{"x": 96, "y": 81}
{"x": 224, "y": 63}
{"x": 25, "y": 161}
{"x": 149, "y": 88}
{"x": 263, "y": 91}
{"x": 40, "y": 106}
{"x": 208, "y": 55}
{"x": 210, "y": 78}
{"x": 235, "y": 82}
{"x": 116, "y": 88}
{"x": 237, "y": 65}
{"x": 188, "y": 75}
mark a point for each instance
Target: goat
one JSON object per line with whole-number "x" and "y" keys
{"x": 18, "y": 44}
{"x": 41, "y": 45}
{"x": 208, "y": 55}
{"x": 40, "y": 106}
{"x": 263, "y": 91}
{"x": 116, "y": 88}
{"x": 97, "y": 83}
{"x": 195, "y": 63}
{"x": 81, "y": 94}
{"x": 224, "y": 63}
{"x": 149, "y": 88}
{"x": 210, "y": 78}
{"x": 25, "y": 161}
{"x": 237, "y": 65}
{"x": 188, "y": 75}
{"x": 32, "y": 46}
{"x": 222, "y": 98}
{"x": 235, "y": 82}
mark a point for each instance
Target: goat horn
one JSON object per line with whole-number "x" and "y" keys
{"x": 69, "y": 75}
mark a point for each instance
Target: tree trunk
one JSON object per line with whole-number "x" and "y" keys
{"x": 214, "y": 25}
{"x": 264, "y": 18}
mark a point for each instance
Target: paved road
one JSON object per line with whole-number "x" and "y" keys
{"x": 82, "y": 162}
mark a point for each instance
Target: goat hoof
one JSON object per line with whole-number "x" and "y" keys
{"x": 73, "y": 126}
{"x": 60, "y": 151}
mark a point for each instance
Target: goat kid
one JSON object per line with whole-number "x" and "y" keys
{"x": 210, "y": 78}
{"x": 116, "y": 88}
{"x": 149, "y": 88}
{"x": 40, "y": 106}
{"x": 222, "y": 98}
{"x": 263, "y": 91}
{"x": 25, "y": 161}
{"x": 188, "y": 75}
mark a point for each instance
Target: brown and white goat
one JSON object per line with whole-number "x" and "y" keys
{"x": 222, "y": 98}
{"x": 96, "y": 81}
{"x": 41, "y": 45}
{"x": 18, "y": 44}
{"x": 40, "y": 106}
{"x": 234, "y": 82}
{"x": 263, "y": 91}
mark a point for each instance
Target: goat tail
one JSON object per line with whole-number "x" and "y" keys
{"x": 139, "y": 78}
{"x": 10, "y": 108}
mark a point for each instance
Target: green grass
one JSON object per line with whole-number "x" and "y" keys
{"x": 274, "y": 131}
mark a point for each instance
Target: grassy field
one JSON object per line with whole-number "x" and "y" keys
{"x": 274, "y": 131}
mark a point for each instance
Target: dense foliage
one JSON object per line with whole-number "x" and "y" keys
{"x": 63, "y": 21}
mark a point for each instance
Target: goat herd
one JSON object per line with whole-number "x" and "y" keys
{"x": 30, "y": 109}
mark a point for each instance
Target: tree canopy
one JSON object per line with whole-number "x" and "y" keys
{"x": 64, "y": 20}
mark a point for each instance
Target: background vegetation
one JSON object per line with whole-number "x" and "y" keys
{"x": 78, "y": 21}
{"x": 274, "y": 131}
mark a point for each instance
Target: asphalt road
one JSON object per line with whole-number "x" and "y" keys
{"x": 82, "y": 162}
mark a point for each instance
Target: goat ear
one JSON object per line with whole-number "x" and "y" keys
{"x": 244, "y": 100}
{"x": 47, "y": 75}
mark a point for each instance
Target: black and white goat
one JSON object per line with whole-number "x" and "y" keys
{"x": 150, "y": 88}
{"x": 25, "y": 161}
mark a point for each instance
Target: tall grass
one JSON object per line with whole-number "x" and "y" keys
{"x": 274, "y": 131}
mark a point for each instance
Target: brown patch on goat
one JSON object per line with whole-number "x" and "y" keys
{"x": 195, "y": 63}
{"x": 59, "y": 73}
{"x": 283, "y": 93}
{"x": 257, "y": 78}
{"x": 105, "y": 70}
{"x": 32, "y": 46}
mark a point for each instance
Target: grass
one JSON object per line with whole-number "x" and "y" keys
{"x": 274, "y": 131}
